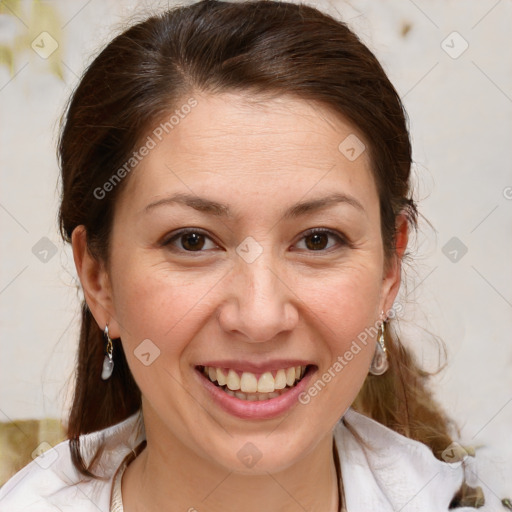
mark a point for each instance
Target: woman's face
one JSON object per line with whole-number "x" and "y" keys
{"x": 250, "y": 290}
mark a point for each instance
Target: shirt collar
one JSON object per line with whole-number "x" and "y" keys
{"x": 389, "y": 472}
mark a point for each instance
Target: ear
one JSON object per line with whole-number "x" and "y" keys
{"x": 95, "y": 283}
{"x": 392, "y": 276}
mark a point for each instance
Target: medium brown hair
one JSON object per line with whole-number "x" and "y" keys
{"x": 263, "y": 48}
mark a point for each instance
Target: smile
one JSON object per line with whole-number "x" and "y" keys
{"x": 254, "y": 387}
{"x": 251, "y": 395}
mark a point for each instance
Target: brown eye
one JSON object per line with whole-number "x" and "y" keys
{"x": 318, "y": 239}
{"x": 189, "y": 240}
{"x": 192, "y": 241}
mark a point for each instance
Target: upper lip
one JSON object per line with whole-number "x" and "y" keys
{"x": 249, "y": 366}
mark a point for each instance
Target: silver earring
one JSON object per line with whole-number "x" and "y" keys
{"x": 108, "y": 362}
{"x": 380, "y": 362}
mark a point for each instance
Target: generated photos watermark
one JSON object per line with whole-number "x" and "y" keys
{"x": 150, "y": 143}
{"x": 344, "y": 359}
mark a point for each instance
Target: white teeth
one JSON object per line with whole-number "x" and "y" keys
{"x": 233, "y": 380}
{"x": 290, "y": 376}
{"x": 266, "y": 383}
{"x": 280, "y": 380}
{"x": 221, "y": 378}
{"x": 249, "y": 383}
{"x": 253, "y": 397}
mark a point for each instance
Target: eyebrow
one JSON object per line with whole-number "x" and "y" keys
{"x": 217, "y": 209}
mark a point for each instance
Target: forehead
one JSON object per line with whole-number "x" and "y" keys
{"x": 234, "y": 146}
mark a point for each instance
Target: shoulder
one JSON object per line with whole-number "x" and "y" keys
{"x": 51, "y": 483}
{"x": 383, "y": 470}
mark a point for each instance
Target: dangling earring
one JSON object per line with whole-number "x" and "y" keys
{"x": 380, "y": 362}
{"x": 108, "y": 362}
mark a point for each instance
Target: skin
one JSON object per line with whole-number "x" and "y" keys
{"x": 258, "y": 159}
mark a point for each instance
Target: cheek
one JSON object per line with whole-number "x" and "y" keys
{"x": 342, "y": 315}
{"x": 345, "y": 301}
{"x": 159, "y": 304}
{"x": 158, "y": 318}
{"x": 344, "y": 312}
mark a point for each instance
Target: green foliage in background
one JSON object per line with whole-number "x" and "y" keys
{"x": 42, "y": 17}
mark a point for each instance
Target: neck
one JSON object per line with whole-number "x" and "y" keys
{"x": 169, "y": 476}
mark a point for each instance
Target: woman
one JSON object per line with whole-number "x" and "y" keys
{"x": 236, "y": 191}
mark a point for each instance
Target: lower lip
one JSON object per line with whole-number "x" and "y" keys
{"x": 262, "y": 410}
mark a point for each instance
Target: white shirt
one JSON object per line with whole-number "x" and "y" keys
{"x": 397, "y": 475}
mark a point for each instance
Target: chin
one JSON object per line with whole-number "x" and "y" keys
{"x": 256, "y": 456}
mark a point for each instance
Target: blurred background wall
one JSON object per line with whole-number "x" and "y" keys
{"x": 450, "y": 64}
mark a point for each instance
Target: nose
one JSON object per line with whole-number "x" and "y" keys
{"x": 259, "y": 301}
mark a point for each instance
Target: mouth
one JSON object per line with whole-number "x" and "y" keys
{"x": 255, "y": 395}
{"x": 255, "y": 387}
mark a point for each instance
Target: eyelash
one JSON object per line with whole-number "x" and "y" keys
{"x": 342, "y": 241}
